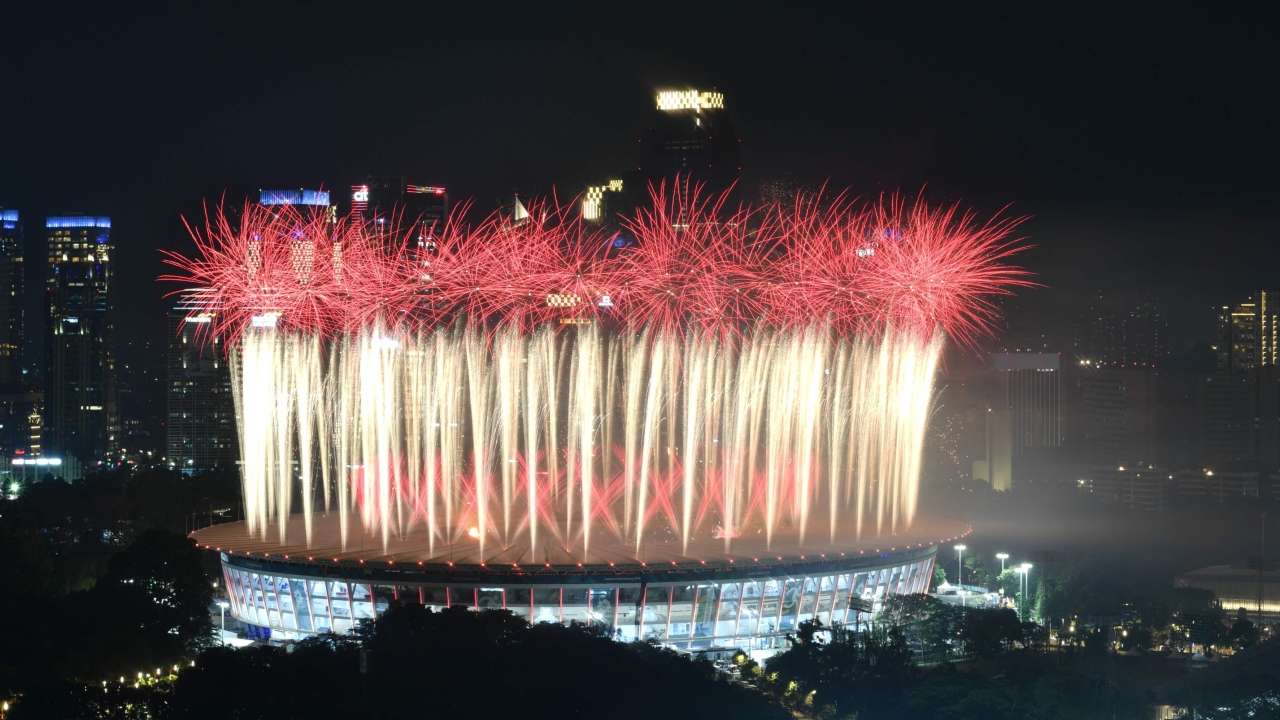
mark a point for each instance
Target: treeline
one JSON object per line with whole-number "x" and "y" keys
{"x": 414, "y": 662}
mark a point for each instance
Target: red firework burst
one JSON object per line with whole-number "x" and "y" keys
{"x": 695, "y": 265}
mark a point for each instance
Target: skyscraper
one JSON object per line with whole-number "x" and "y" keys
{"x": 1024, "y": 417}
{"x": 691, "y": 134}
{"x": 1031, "y": 385}
{"x": 80, "y": 414}
{"x": 200, "y": 428}
{"x": 300, "y": 197}
{"x": 1240, "y": 405}
{"x": 17, "y": 400}
{"x": 1249, "y": 331}
{"x": 1119, "y": 333}
{"x": 420, "y": 210}
{"x": 12, "y": 271}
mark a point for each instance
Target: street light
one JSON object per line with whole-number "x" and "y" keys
{"x": 1024, "y": 586}
{"x": 960, "y": 571}
{"x": 222, "y": 610}
{"x": 1002, "y": 556}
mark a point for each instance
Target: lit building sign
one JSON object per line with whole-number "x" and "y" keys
{"x": 423, "y": 190}
{"x": 360, "y": 194}
{"x": 77, "y": 221}
{"x": 317, "y": 198}
{"x": 674, "y": 100}
{"x": 40, "y": 461}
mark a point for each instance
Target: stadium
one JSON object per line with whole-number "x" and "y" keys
{"x": 703, "y": 601}
{"x": 702, "y": 435}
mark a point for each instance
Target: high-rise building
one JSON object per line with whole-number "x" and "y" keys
{"x": 691, "y": 135}
{"x": 300, "y": 197}
{"x": 599, "y": 202}
{"x": 79, "y": 411}
{"x": 1123, "y": 334}
{"x": 1024, "y": 423}
{"x": 200, "y": 428}
{"x": 1031, "y": 385}
{"x": 419, "y": 210}
{"x": 12, "y": 296}
{"x": 1116, "y": 418}
{"x": 1249, "y": 332}
{"x": 16, "y": 399}
{"x": 1240, "y": 402}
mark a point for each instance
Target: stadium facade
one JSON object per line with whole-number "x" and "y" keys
{"x": 742, "y": 601}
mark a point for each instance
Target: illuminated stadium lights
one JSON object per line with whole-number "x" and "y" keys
{"x": 753, "y": 378}
{"x": 691, "y": 603}
{"x": 675, "y": 100}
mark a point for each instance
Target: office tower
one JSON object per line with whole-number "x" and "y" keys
{"x": 1031, "y": 389}
{"x": 79, "y": 402}
{"x": 420, "y": 211}
{"x": 1024, "y": 424}
{"x": 1117, "y": 422}
{"x": 16, "y": 399}
{"x": 690, "y": 134}
{"x": 599, "y": 202}
{"x": 1120, "y": 333}
{"x": 12, "y": 285}
{"x": 298, "y": 197}
{"x": 1240, "y": 408}
{"x": 200, "y": 431}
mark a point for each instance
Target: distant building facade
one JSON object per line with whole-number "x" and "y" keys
{"x": 1118, "y": 333}
{"x": 200, "y": 426}
{"x": 1241, "y": 400}
{"x": 419, "y": 210}
{"x": 12, "y": 296}
{"x": 1024, "y": 423}
{"x": 1248, "y": 332}
{"x": 17, "y": 400}
{"x": 80, "y": 417}
{"x": 690, "y": 134}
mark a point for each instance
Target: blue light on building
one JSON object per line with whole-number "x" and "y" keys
{"x": 77, "y": 221}
{"x": 312, "y": 198}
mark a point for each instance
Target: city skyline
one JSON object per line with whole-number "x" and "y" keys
{"x": 1107, "y": 183}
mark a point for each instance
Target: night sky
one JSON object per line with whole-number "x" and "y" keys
{"x": 1144, "y": 147}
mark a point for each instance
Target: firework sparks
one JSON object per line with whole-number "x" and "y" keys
{"x": 733, "y": 372}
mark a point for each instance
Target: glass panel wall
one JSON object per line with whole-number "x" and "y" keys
{"x": 750, "y": 613}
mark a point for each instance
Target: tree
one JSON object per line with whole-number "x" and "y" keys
{"x": 926, "y": 621}
{"x": 1243, "y": 633}
{"x": 988, "y": 631}
{"x": 867, "y": 674}
{"x": 161, "y": 578}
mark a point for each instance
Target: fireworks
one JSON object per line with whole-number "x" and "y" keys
{"x": 726, "y": 373}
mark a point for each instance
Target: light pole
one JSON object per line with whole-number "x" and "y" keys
{"x": 1002, "y": 556}
{"x": 222, "y": 610}
{"x": 960, "y": 571}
